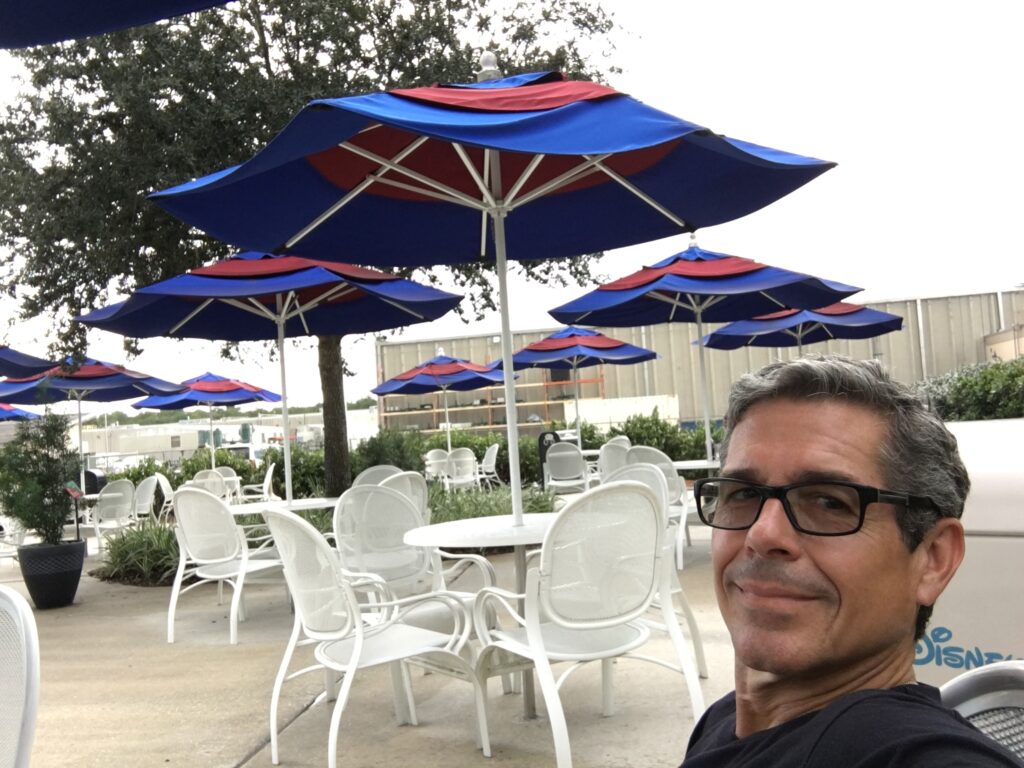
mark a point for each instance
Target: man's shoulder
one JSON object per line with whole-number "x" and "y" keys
{"x": 901, "y": 726}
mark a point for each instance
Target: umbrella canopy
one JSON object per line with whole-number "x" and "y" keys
{"x": 259, "y": 296}
{"x": 15, "y": 363}
{"x": 441, "y": 374}
{"x": 573, "y": 348}
{"x": 24, "y": 23}
{"x": 528, "y": 167}
{"x": 209, "y": 389}
{"x": 93, "y": 380}
{"x": 796, "y": 327}
{"x": 10, "y": 413}
{"x": 698, "y": 286}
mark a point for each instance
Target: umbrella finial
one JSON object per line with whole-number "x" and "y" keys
{"x": 488, "y": 67}
{"x": 693, "y": 240}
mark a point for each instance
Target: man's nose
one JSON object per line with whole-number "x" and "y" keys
{"x": 772, "y": 534}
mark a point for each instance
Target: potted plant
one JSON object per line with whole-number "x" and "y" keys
{"x": 34, "y": 467}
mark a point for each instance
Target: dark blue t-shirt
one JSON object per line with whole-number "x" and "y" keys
{"x": 892, "y": 728}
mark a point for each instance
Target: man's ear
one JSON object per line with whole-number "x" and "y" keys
{"x": 940, "y": 554}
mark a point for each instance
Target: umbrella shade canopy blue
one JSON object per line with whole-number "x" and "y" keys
{"x": 796, "y": 327}
{"x": 93, "y": 380}
{"x": 441, "y": 374}
{"x": 10, "y": 413}
{"x": 259, "y": 296}
{"x": 209, "y": 389}
{"x": 573, "y": 348}
{"x": 24, "y": 23}
{"x": 698, "y": 286}
{"x": 524, "y": 167}
{"x": 15, "y": 363}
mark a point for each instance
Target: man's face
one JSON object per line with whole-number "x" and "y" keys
{"x": 797, "y": 604}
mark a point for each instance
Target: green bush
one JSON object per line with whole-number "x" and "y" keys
{"x": 975, "y": 393}
{"x": 678, "y": 444}
{"x": 146, "y": 556}
{"x": 400, "y": 448}
{"x": 458, "y": 505}
{"x": 307, "y": 471}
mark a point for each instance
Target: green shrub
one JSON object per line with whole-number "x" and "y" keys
{"x": 974, "y": 393}
{"x": 458, "y": 505}
{"x": 678, "y": 444}
{"x": 400, "y": 448}
{"x": 145, "y": 556}
{"x": 307, "y": 471}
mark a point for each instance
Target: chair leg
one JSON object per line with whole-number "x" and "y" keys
{"x": 175, "y": 591}
{"x": 236, "y": 599}
{"x": 401, "y": 688}
{"x": 607, "y": 687}
{"x": 339, "y": 708}
{"x": 556, "y": 715}
{"x": 683, "y": 653}
{"x": 275, "y": 696}
{"x": 691, "y": 624}
{"x": 480, "y": 696}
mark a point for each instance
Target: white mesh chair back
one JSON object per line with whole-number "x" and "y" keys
{"x": 226, "y": 471}
{"x": 207, "y": 526}
{"x": 649, "y": 475}
{"x": 370, "y": 522}
{"x": 168, "y": 493}
{"x": 599, "y": 564}
{"x": 565, "y": 462}
{"x": 489, "y": 464}
{"x": 413, "y": 486}
{"x": 145, "y": 494}
{"x": 211, "y": 481}
{"x": 19, "y": 679}
{"x": 620, "y": 440}
{"x": 268, "y": 482}
{"x": 462, "y": 467}
{"x": 116, "y": 502}
{"x": 435, "y": 463}
{"x": 991, "y": 698}
{"x": 611, "y": 456}
{"x": 324, "y": 601}
{"x": 373, "y": 475}
{"x": 644, "y": 454}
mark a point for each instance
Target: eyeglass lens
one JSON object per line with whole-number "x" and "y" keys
{"x": 818, "y": 508}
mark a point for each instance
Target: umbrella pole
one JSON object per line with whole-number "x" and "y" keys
{"x": 213, "y": 443}
{"x": 81, "y": 453}
{"x": 576, "y": 381}
{"x": 447, "y": 423}
{"x": 284, "y": 414}
{"x": 511, "y": 420}
{"x": 705, "y": 397}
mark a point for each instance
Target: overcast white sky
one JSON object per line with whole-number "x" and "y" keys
{"x": 918, "y": 102}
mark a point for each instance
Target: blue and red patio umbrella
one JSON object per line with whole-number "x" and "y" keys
{"x": 796, "y": 327}
{"x": 573, "y": 348}
{"x": 526, "y": 167}
{"x": 92, "y": 380}
{"x": 259, "y": 296}
{"x": 25, "y": 23}
{"x": 698, "y": 286}
{"x": 209, "y": 389}
{"x": 10, "y": 413}
{"x": 441, "y": 374}
{"x": 15, "y": 363}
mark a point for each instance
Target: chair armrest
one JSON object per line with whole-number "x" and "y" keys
{"x": 482, "y": 563}
{"x": 461, "y": 626}
{"x": 483, "y": 618}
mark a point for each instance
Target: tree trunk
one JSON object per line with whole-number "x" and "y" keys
{"x": 337, "y": 462}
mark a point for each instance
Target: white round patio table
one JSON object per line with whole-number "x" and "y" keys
{"x": 494, "y": 531}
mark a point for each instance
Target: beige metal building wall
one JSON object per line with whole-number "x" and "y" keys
{"x": 939, "y": 335}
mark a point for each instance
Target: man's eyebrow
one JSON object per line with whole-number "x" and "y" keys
{"x": 753, "y": 475}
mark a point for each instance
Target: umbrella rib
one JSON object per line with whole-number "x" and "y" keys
{"x": 462, "y": 200}
{"x": 523, "y": 178}
{"x": 354, "y": 192}
{"x": 639, "y": 193}
{"x": 189, "y": 316}
{"x": 475, "y": 174}
{"x": 564, "y": 179}
{"x": 484, "y": 217}
{"x": 393, "y": 165}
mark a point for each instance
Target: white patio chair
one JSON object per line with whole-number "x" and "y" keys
{"x": 212, "y": 548}
{"x": 168, "y": 493}
{"x": 211, "y": 481}
{"x": 19, "y": 679}
{"x": 329, "y": 615}
{"x": 599, "y": 569}
{"x": 231, "y": 482}
{"x": 566, "y": 469}
{"x": 261, "y": 491}
{"x": 113, "y": 509}
{"x": 621, "y": 440}
{"x": 991, "y": 698}
{"x": 145, "y": 495}
{"x": 653, "y": 478}
{"x": 373, "y": 475}
{"x": 435, "y": 464}
{"x": 610, "y": 458}
{"x": 413, "y": 486}
{"x": 461, "y": 471}
{"x": 677, "y": 495}
{"x": 489, "y": 467}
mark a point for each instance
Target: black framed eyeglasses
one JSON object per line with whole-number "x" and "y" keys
{"x": 832, "y": 508}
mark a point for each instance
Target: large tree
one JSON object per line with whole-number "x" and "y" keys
{"x": 110, "y": 118}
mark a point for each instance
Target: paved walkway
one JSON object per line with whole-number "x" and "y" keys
{"x": 115, "y": 693}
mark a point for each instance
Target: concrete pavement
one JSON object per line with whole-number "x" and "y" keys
{"x": 115, "y": 693}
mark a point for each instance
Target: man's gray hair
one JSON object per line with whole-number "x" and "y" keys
{"x": 919, "y": 455}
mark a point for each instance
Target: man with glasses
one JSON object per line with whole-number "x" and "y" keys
{"x": 837, "y": 527}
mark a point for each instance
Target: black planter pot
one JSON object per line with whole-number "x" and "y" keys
{"x": 52, "y": 571}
